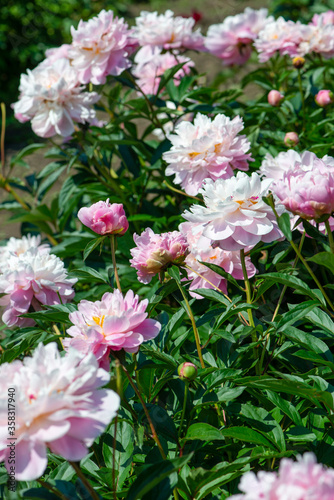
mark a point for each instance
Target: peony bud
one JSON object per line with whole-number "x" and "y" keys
{"x": 104, "y": 218}
{"x": 298, "y": 62}
{"x": 187, "y": 371}
{"x": 324, "y": 97}
{"x": 291, "y": 139}
{"x": 275, "y": 97}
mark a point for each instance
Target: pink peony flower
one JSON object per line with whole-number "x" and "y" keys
{"x": 52, "y": 55}
{"x": 52, "y": 99}
{"x": 281, "y": 36}
{"x": 274, "y": 168}
{"x": 202, "y": 251}
{"x": 32, "y": 279}
{"x": 323, "y": 18}
{"x": 16, "y": 246}
{"x": 151, "y": 65}
{"x": 101, "y": 47}
{"x": 275, "y": 98}
{"x": 291, "y": 139}
{"x": 59, "y": 405}
{"x": 307, "y": 189}
{"x": 318, "y": 38}
{"x": 206, "y": 149}
{"x": 235, "y": 216}
{"x": 300, "y": 480}
{"x": 104, "y": 218}
{"x": 167, "y": 31}
{"x": 113, "y": 323}
{"x": 155, "y": 252}
{"x": 324, "y": 98}
{"x": 232, "y": 39}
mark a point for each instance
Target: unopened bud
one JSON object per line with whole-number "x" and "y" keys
{"x": 298, "y": 62}
{"x": 275, "y": 97}
{"x": 187, "y": 371}
{"x": 324, "y": 97}
{"x": 291, "y": 139}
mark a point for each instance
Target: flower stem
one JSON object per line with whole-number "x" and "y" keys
{"x": 186, "y": 387}
{"x": 52, "y": 489}
{"x": 296, "y": 249}
{"x": 114, "y": 483}
{"x": 83, "y": 478}
{"x": 302, "y": 96}
{"x": 330, "y": 235}
{"x": 112, "y": 245}
{"x": 3, "y": 130}
{"x": 180, "y": 192}
{"x": 192, "y": 319}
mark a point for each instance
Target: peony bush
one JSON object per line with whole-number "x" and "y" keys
{"x": 167, "y": 310}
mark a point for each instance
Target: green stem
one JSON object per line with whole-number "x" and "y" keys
{"x": 296, "y": 249}
{"x": 192, "y": 319}
{"x": 52, "y": 489}
{"x": 186, "y": 387}
{"x": 113, "y": 256}
{"x": 248, "y": 290}
{"x": 302, "y": 96}
{"x": 3, "y": 130}
{"x": 83, "y": 478}
{"x": 180, "y": 192}
{"x": 114, "y": 483}
{"x": 330, "y": 235}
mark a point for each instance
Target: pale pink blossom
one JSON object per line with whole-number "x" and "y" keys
{"x": 155, "y": 252}
{"x": 323, "y": 18}
{"x": 17, "y": 246}
{"x": 104, "y": 218}
{"x": 317, "y": 38}
{"x": 59, "y": 405}
{"x": 235, "y": 217}
{"x": 101, "y": 47}
{"x": 51, "y": 97}
{"x": 149, "y": 69}
{"x": 206, "y": 149}
{"x": 281, "y": 36}
{"x": 324, "y": 98}
{"x": 202, "y": 251}
{"x": 232, "y": 39}
{"x": 167, "y": 31}
{"x": 52, "y": 55}
{"x": 111, "y": 324}
{"x": 275, "y": 97}
{"x": 307, "y": 189}
{"x": 300, "y": 480}
{"x": 291, "y": 139}
{"x": 30, "y": 280}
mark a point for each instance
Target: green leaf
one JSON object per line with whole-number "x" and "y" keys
{"x": 324, "y": 259}
{"x": 203, "y": 432}
{"x": 248, "y": 435}
{"x": 92, "y": 245}
{"x": 284, "y": 223}
{"x": 219, "y": 270}
{"x": 123, "y": 451}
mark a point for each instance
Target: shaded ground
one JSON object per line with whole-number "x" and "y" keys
{"x": 212, "y": 11}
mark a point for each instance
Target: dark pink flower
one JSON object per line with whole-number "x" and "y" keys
{"x": 104, "y": 218}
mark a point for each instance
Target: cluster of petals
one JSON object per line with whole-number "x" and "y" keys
{"x": 104, "y": 218}
{"x": 323, "y": 18}
{"x": 167, "y": 31}
{"x": 18, "y": 246}
{"x": 155, "y": 252}
{"x": 112, "y": 323}
{"x": 235, "y": 217}
{"x": 30, "y": 280}
{"x": 304, "y": 479}
{"x": 201, "y": 250}
{"x": 232, "y": 39}
{"x": 101, "y": 47}
{"x": 307, "y": 187}
{"x": 151, "y": 64}
{"x": 207, "y": 148}
{"x": 59, "y": 405}
{"x": 52, "y": 98}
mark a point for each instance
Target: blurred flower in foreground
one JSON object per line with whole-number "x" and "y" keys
{"x": 18, "y": 246}
{"x": 300, "y": 480}
{"x": 235, "y": 216}
{"x": 30, "y": 280}
{"x": 275, "y": 98}
{"x": 104, "y": 218}
{"x": 232, "y": 39}
{"x": 324, "y": 98}
{"x": 206, "y": 149}
{"x": 155, "y": 252}
{"x": 52, "y": 99}
{"x": 167, "y": 31}
{"x": 101, "y": 47}
{"x": 59, "y": 405}
{"x": 111, "y": 324}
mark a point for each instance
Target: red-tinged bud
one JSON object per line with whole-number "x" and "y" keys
{"x": 291, "y": 139}
{"x": 275, "y": 97}
{"x": 324, "y": 97}
{"x": 187, "y": 371}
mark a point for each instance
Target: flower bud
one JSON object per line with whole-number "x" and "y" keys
{"x": 324, "y": 97}
{"x": 291, "y": 139}
{"x": 104, "y": 218}
{"x": 298, "y": 62}
{"x": 275, "y": 97}
{"x": 187, "y": 371}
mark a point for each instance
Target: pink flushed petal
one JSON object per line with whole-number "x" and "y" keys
{"x": 22, "y": 299}
{"x": 87, "y": 427}
{"x": 150, "y": 329}
{"x": 114, "y": 324}
{"x": 69, "y": 448}
{"x": 30, "y": 460}
{"x": 49, "y": 430}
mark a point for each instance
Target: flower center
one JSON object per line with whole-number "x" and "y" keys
{"x": 99, "y": 320}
